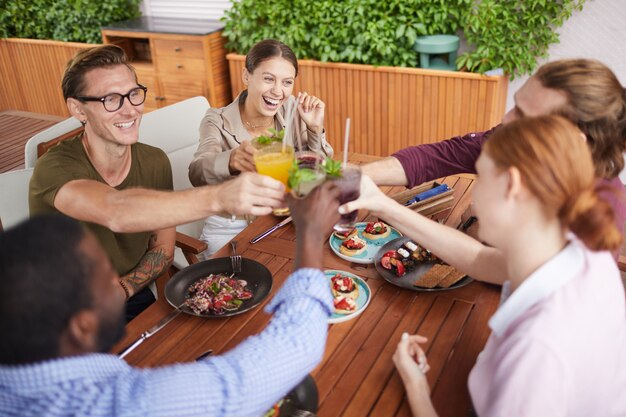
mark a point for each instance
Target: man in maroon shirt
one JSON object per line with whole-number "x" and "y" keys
{"x": 584, "y": 91}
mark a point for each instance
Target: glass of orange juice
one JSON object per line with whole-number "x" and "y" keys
{"x": 274, "y": 160}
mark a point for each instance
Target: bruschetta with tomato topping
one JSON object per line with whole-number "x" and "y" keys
{"x": 344, "y": 285}
{"x": 376, "y": 230}
{"x": 344, "y": 305}
{"x": 345, "y": 235}
{"x": 352, "y": 246}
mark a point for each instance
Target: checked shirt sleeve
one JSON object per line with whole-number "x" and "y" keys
{"x": 247, "y": 380}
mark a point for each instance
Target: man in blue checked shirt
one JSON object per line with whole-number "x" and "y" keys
{"x": 61, "y": 310}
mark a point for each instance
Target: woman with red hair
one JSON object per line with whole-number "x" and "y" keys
{"x": 558, "y": 341}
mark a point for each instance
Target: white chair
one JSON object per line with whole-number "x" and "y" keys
{"x": 175, "y": 129}
{"x": 14, "y": 202}
{"x": 58, "y": 132}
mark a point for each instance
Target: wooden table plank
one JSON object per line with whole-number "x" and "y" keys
{"x": 378, "y": 379}
{"x": 16, "y": 127}
{"x": 341, "y": 360}
{"x": 356, "y": 376}
{"x": 373, "y": 347}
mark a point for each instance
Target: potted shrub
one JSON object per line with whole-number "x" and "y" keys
{"x": 357, "y": 55}
{"x": 39, "y": 37}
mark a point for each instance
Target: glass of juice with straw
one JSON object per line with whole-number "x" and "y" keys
{"x": 274, "y": 160}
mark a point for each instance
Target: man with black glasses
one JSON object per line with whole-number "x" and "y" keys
{"x": 121, "y": 189}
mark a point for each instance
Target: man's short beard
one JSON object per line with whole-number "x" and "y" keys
{"x": 110, "y": 332}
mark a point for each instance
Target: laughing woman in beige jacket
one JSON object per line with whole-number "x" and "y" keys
{"x": 225, "y": 133}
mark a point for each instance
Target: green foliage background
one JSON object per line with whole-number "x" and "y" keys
{"x": 63, "y": 20}
{"x": 507, "y": 34}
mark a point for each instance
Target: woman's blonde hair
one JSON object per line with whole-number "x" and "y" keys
{"x": 555, "y": 165}
{"x": 596, "y": 104}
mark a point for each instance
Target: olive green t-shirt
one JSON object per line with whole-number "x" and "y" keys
{"x": 150, "y": 168}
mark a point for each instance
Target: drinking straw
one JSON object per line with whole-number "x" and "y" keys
{"x": 298, "y": 139}
{"x": 288, "y": 124}
{"x": 345, "y": 142}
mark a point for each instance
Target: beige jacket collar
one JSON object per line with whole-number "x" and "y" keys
{"x": 231, "y": 119}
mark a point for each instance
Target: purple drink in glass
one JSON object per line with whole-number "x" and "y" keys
{"x": 308, "y": 161}
{"x": 349, "y": 190}
{"x": 311, "y": 164}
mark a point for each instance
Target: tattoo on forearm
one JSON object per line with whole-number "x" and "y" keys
{"x": 151, "y": 266}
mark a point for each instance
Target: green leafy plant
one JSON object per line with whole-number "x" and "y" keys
{"x": 512, "y": 34}
{"x": 357, "y": 31}
{"x": 298, "y": 175}
{"x": 332, "y": 167}
{"x": 507, "y": 34}
{"x": 70, "y": 20}
{"x": 276, "y": 136}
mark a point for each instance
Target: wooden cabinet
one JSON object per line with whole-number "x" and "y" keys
{"x": 175, "y": 58}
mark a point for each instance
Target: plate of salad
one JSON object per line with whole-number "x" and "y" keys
{"x": 210, "y": 289}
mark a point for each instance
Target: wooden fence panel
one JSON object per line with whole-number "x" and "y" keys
{"x": 40, "y": 65}
{"x": 391, "y": 108}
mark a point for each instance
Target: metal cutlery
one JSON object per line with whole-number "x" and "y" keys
{"x": 235, "y": 259}
{"x": 152, "y": 331}
{"x": 204, "y": 355}
{"x": 298, "y": 412}
{"x": 270, "y": 230}
{"x": 301, "y": 413}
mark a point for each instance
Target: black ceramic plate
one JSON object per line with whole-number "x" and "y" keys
{"x": 411, "y": 276}
{"x": 303, "y": 397}
{"x": 258, "y": 277}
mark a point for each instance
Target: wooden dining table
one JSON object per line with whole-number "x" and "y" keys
{"x": 356, "y": 376}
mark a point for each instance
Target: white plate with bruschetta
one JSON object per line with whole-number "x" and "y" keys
{"x": 363, "y": 243}
{"x": 351, "y": 295}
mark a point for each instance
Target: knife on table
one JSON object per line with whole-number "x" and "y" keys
{"x": 152, "y": 331}
{"x": 270, "y": 230}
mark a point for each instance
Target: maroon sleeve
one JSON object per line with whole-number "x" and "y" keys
{"x": 434, "y": 160}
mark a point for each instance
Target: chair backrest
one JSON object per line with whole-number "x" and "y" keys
{"x": 44, "y": 140}
{"x": 14, "y": 192}
{"x": 175, "y": 129}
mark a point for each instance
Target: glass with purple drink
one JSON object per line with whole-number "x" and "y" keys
{"x": 349, "y": 185}
{"x": 307, "y": 174}
{"x": 309, "y": 159}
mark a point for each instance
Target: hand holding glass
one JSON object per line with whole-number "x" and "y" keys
{"x": 349, "y": 189}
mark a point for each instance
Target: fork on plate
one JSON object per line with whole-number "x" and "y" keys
{"x": 235, "y": 260}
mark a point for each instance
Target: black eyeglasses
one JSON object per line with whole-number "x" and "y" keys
{"x": 114, "y": 101}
